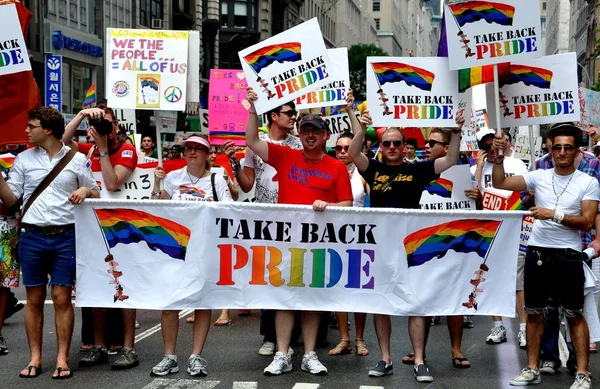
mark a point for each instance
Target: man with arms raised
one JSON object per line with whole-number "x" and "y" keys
{"x": 309, "y": 177}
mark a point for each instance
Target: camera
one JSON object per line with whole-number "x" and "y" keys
{"x": 102, "y": 126}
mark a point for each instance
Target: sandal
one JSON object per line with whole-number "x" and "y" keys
{"x": 409, "y": 359}
{"x": 458, "y": 363}
{"x": 190, "y": 319}
{"x": 60, "y": 376}
{"x": 361, "y": 348}
{"x": 38, "y": 371}
{"x": 343, "y": 347}
{"x": 84, "y": 348}
{"x": 222, "y": 322}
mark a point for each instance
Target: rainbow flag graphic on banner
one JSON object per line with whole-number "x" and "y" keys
{"x": 515, "y": 203}
{"x": 121, "y": 225}
{"x": 148, "y": 81}
{"x": 90, "y": 97}
{"x": 462, "y": 236}
{"x": 223, "y": 136}
{"x": 396, "y": 72}
{"x": 280, "y": 52}
{"x": 441, "y": 187}
{"x": 529, "y": 75}
{"x": 472, "y": 11}
{"x": 6, "y": 162}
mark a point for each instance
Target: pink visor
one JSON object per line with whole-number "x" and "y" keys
{"x": 196, "y": 140}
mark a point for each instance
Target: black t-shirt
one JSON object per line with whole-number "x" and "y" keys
{"x": 409, "y": 180}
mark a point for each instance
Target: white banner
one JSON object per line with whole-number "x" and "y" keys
{"x": 411, "y": 92}
{"x": 287, "y": 65}
{"x": 13, "y": 50}
{"x": 211, "y": 255}
{"x": 137, "y": 187}
{"x": 448, "y": 191}
{"x": 147, "y": 69}
{"x": 334, "y": 92}
{"x": 541, "y": 91}
{"x": 126, "y": 118}
{"x": 484, "y": 32}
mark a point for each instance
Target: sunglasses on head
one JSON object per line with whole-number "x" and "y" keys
{"x": 339, "y": 148}
{"x": 432, "y": 143}
{"x": 290, "y": 113}
{"x": 388, "y": 143}
{"x": 566, "y": 148}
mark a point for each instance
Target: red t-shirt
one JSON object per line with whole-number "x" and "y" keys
{"x": 301, "y": 182}
{"x": 124, "y": 155}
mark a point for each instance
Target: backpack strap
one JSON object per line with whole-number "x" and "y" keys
{"x": 212, "y": 183}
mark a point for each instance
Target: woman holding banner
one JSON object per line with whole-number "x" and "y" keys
{"x": 194, "y": 182}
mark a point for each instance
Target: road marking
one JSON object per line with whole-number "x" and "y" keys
{"x": 302, "y": 385}
{"x": 244, "y": 385}
{"x": 153, "y": 330}
{"x": 166, "y": 383}
{"x": 370, "y": 387}
{"x": 46, "y": 302}
{"x": 507, "y": 358}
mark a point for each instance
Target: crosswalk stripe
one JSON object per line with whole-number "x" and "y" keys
{"x": 166, "y": 383}
{"x": 244, "y": 385}
{"x": 370, "y": 387}
{"x": 302, "y": 385}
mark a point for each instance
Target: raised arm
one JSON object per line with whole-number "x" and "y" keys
{"x": 499, "y": 179}
{"x": 260, "y": 147}
{"x": 450, "y": 159}
{"x": 91, "y": 113}
{"x": 359, "y": 128}
{"x": 245, "y": 175}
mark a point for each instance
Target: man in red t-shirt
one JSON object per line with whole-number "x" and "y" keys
{"x": 116, "y": 160}
{"x": 309, "y": 177}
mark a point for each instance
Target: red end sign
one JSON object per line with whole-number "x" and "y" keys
{"x": 494, "y": 202}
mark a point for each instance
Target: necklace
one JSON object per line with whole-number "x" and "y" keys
{"x": 197, "y": 179}
{"x": 558, "y": 196}
{"x": 314, "y": 162}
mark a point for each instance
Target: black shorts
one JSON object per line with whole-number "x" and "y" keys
{"x": 560, "y": 277}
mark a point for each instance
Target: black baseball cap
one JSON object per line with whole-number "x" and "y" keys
{"x": 315, "y": 120}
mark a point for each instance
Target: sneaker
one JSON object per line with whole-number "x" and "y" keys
{"x": 467, "y": 322}
{"x": 435, "y": 320}
{"x": 290, "y": 351}
{"x": 581, "y": 382}
{"x": 527, "y": 377}
{"x": 281, "y": 364}
{"x": 95, "y": 356}
{"x": 381, "y": 369}
{"x": 548, "y": 368}
{"x": 197, "y": 366}
{"x": 114, "y": 350}
{"x": 127, "y": 359}
{"x": 267, "y": 348}
{"x": 422, "y": 373}
{"x": 522, "y": 339}
{"x": 497, "y": 336}
{"x": 311, "y": 364}
{"x": 165, "y": 367}
{"x": 3, "y": 347}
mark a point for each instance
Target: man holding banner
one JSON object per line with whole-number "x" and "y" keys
{"x": 566, "y": 203}
{"x": 308, "y": 177}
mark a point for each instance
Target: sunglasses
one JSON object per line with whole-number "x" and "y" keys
{"x": 566, "y": 148}
{"x": 314, "y": 131}
{"x": 432, "y": 143}
{"x": 290, "y": 113}
{"x": 388, "y": 143}
{"x": 340, "y": 148}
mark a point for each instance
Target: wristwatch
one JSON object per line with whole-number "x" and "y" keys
{"x": 103, "y": 154}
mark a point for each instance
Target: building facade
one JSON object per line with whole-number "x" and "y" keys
{"x": 354, "y": 23}
{"x": 557, "y": 27}
{"x": 390, "y": 16}
{"x": 543, "y": 15}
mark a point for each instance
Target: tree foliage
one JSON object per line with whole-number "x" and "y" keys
{"x": 357, "y": 61}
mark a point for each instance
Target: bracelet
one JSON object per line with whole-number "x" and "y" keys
{"x": 252, "y": 111}
{"x": 155, "y": 194}
{"x": 558, "y": 217}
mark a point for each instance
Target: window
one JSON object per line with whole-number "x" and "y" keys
{"x": 376, "y": 5}
{"x": 224, "y": 15}
{"x": 150, "y": 9}
{"x": 544, "y": 6}
{"x": 240, "y": 15}
{"x": 377, "y": 23}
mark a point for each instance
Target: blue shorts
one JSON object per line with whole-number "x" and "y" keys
{"x": 42, "y": 255}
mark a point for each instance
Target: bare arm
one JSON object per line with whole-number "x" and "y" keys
{"x": 245, "y": 176}
{"x": 113, "y": 176}
{"x": 442, "y": 164}
{"x": 583, "y": 222}
{"x": 499, "y": 179}
{"x": 260, "y": 147}
{"x": 359, "y": 128}
{"x": 92, "y": 113}
{"x": 595, "y": 244}
{"x": 6, "y": 194}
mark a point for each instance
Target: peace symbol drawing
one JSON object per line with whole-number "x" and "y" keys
{"x": 173, "y": 94}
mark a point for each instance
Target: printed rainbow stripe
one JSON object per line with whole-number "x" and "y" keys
{"x": 478, "y": 75}
{"x": 149, "y": 81}
{"x": 441, "y": 187}
{"x": 90, "y": 97}
{"x": 472, "y": 11}
{"x": 462, "y": 236}
{"x": 190, "y": 190}
{"x": 121, "y": 225}
{"x": 6, "y": 162}
{"x": 227, "y": 135}
{"x": 396, "y": 72}
{"x": 529, "y": 75}
{"x": 280, "y": 52}
{"x": 514, "y": 202}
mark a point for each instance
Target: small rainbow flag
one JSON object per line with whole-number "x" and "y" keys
{"x": 6, "y": 162}
{"x": 514, "y": 202}
{"x": 280, "y": 52}
{"x": 396, "y": 72}
{"x": 529, "y": 75}
{"x": 472, "y": 11}
{"x": 121, "y": 225}
{"x": 150, "y": 82}
{"x": 441, "y": 187}
{"x": 462, "y": 236}
{"x": 478, "y": 75}
{"x": 90, "y": 97}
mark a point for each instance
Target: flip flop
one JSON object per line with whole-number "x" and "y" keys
{"x": 38, "y": 371}
{"x": 458, "y": 363}
{"x": 59, "y": 376}
{"x": 222, "y": 323}
{"x": 409, "y": 359}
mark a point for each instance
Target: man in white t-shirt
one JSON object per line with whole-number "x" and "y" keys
{"x": 281, "y": 122}
{"x": 482, "y": 173}
{"x": 566, "y": 203}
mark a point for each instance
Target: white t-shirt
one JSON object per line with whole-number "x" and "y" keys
{"x": 512, "y": 167}
{"x": 267, "y": 189}
{"x": 547, "y": 233}
{"x": 183, "y": 186}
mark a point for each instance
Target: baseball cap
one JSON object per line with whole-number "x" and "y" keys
{"x": 195, "y": 139}
{"x": 315, "y": 120}
{"x": 484, "y": 132}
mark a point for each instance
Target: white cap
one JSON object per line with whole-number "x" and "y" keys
{"x": 483, "y": 132}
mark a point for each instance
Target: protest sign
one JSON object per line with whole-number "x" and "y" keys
{"x": 334, "y": 92}
{"x": 468, "y": 139}
{"x": 147, "y": 69}
{"x": 287, "y": 65}
{"x": 589, "y": 102}
{"x": 167, "y": 121}
{"x": 212, "y": 255}
{"x": 522, "y": 149}
{"x": 227, "y": 107}
{"x": 192, "y": 92}
{"x": 448, "y": 191}
{"x": 126, "y": 118}
{"x": 13, "y": 50}
{"x": 422, "y": 91}
{"x": 484, "y": 32}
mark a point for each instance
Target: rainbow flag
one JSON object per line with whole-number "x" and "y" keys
{"x": 150, "y": 82}
{"x": 529, "y": 75}
{"x": 219, "y": 137}
{"x": 441, "y": 187}
{"x": 478, "y": 75}
{"x": 280, "y": 52}
{"x": 6, "y": 162}
{"x": 514, "y": 202}
{"x": 462, "y": 236}
{"x": 396, "y": 72}
{"x": 90, "y": 97}
{"x": 125, "y": 226}
{"x": 472, "y": 11}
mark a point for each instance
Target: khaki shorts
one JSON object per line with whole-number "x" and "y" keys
{"x": 520, "y": 272}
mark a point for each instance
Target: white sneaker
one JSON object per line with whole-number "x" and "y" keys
{"x": 290, "y": 351}
{"x": 581, "y": 382}
{"x": 527, "y": 377}
{"x": 281, "y": 364}
{"x": 497, "y": 336}
{"x": 311, "y": 364}
{"x": 267, "y": 348}
{"x": 522, "y": 339}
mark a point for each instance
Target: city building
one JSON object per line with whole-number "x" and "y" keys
{"x": 578, "y": 36}
{"x": 592, "y": 63}
{"x": 325, "y": 12}
{"x": 354, "y": 23}
{"x": 391, "y": 19}
{"x": 543, "y": 14}
{"x": 557, "y": 27}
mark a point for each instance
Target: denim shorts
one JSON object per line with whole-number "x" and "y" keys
{"x": 557, "y": 274}
{"x": 42, "y": 255}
